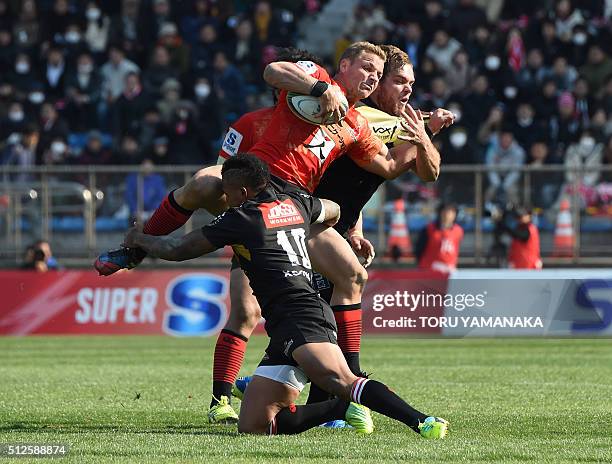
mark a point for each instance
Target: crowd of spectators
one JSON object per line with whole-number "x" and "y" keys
{"x": 529, "y": 81}
{"x": 124, "y": 81}
{"x": 128, "y": 81}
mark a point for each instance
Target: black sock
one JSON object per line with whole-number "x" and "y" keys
{"x": 221, "y": 389}
{"x": 297, "y": 419}
{"x": 352, "y": 359}
{"x": 317, "y": 395}
{"x": 379, "y": 398}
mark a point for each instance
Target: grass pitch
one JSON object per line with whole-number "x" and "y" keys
{"x": 144, "y": 399}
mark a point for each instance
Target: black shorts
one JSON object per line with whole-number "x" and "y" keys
{"x": 306, "y": 319}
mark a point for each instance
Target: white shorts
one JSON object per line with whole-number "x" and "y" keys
{"x": 288, "y": 375}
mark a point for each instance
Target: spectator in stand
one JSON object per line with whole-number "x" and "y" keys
{"x": 477, "y": 103}
{"x": 597, "y": 69}
{"x": 438, "y": 96}
{"x": 461, "y": 73}
{"x": 600, "y": 125}
{"x": 159, "y": 152}
{"x": 567, "y": 18}
{"x": 437, "y": 248}
{"x": 94, "y": 151}
{"x": 97, "y": 29}
{"x": 203, "y": 51}
{"x": 54, "y": 73}
{"x": 171, "y": 94}
{"x": 586, "y": 153}
{"x": 527, "y": 128}
{"x": 192, "y": 21}
{"x": 549, "y": 43}
{"x": 435, "y": 19}
{"x": 83, "y": 94}
{"x": 412, "y": 43}
{"x": 442, "y": 50}
{"x": 14, "y": 121}
{"x": 57, "y": 21}
{"x": 24, "y": 77}
{"x": 113, "y": 73}
{"x": 130, "y": 106}
{"x": 52, "y": 126}
{"x": 545, "y": 186}
{"x": 7, "y": 50}
{"x": 584, "y": 101}
{"x": 606, "y": 98}
{"x": 57, "y": 152}
{"x": 607, "y": 162}
{"x": 184, "y": 140}
{"x": 504, "y": 152}
{"x": 22, "y": 151}
{"x": 564, "y": 127}
{"x": 246, "y": 50}
{"x": 465, "y": 18}
{"x": 124, "y": 29}
{"x": 151, "y": 126}
{"x": 159, "y": 71}
{"x": 563, "y": 74}
{"x": 173, "y": 43}
{"x": 210, "y": 118}
{"x": 150, "y": 194}
{"x": 152, "y": 20}
{"x": 531, "y": 77}
{"x": 546, "y": 101}
{"x": 229, "y": 86}
{"x": 27, "y": 29}
{"x": 480, "y": 44}
{"x": 128, "y": 152}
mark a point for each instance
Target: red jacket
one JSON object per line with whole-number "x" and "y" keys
{"x": 526, "y": 254}
{"x": 442, "y": 250}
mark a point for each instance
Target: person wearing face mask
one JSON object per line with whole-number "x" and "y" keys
{"x": 23, "y": 76}
{"x": 587, "y": 153}
{"x": 210, "y": 118}
{"x": 14, "y": 120}
{"x": 526, "y": 127}
{"x": 58, "y": 153}
{"x": 52, "y": 126}
{"x": 83, "y": 92}
{"x": 96, "y": 32}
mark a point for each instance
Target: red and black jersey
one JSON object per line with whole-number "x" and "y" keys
{"x": 247, "y": 130}
{"x": 268, "y": 234}
{"x": 299, "y": 152}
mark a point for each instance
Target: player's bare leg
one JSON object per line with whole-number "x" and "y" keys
{"x": 268, "y": 406}
{"x": 231, "y": 343}
{"x": 204, "y": 191}
{"x": 263, "y": 400}
{"x": 333, "y": 257}
{"x": 324, "y": 364}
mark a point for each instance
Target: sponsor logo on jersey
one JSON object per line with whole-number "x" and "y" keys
{"x": 280, "y": 214}
{"x": 231, "y": 142}
{"x": 307, "y": 66}
{"x": 320, "y": 145}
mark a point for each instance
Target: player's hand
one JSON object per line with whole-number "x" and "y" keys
{"x": 413, "y": 126}
{"x": 331, "y": 103}
{"x": 132, "y": 235}
{"x": 439, "y": 119}
{"x": 362, "y": 248}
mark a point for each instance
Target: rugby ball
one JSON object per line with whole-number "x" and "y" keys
{"x": 306, "y": 107}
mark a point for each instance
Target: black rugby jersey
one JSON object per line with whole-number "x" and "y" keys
{"x": 268, "y": 235}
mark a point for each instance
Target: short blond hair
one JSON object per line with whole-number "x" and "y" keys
{"x": 357, "y": 48}
{"x": 396, "y": 59}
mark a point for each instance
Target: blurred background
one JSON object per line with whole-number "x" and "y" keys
{"x": 105, "y": 106}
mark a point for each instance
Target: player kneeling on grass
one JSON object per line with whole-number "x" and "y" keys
{"x": 267, "y": 230}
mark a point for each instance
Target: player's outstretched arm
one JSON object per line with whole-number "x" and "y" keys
{"x": 428, "y": 160}
{"x": 192, "y": 245}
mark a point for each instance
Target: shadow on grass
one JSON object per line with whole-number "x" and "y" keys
{"x": 71, "y": 427}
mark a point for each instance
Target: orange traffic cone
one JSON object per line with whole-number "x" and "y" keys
{"x": 398, "y": 244}
{"x": 563, "y": 243}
